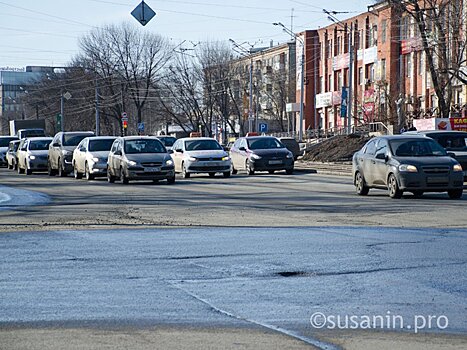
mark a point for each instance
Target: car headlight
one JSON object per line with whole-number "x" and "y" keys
{"x": 289, "y": 155}
{"x": 95, "y": 159}
{"x": 169, "y": 162}
{"x": 255, "y": 156}
{"x": 457, "y": 167}
{"x": 192, "y": 159}
{"x": 66, "y": 153}
{"x": 34, "y": 157}
{"x": 408, "y": 168}
{"x": 225, "y": 158}
{"x": 132, "y": 163}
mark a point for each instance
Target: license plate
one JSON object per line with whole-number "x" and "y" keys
{"x": 273, "y": 162}
{"x": 437, "y": 180}
{"x": 152, "y": 170}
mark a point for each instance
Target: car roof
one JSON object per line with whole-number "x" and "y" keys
{"x": 259, "y": 137}
{"x": 43, "y": 138}
{"x": 400, "y": 137}
{"x": 101, "y": 137}
{"x": 138, "y": 137}
{"x": 77, "y": 132}
{"x": 9, "y": 137}
{"x": 197, "y": 138}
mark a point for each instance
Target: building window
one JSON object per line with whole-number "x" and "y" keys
{"x": 360, "y": 76}
{"x": 408, "y": 65}
{"x": 383, "y": 30}
{"x": 404, "y": 28}
{"x": 330, "y": 82}
{"x": 383, "y": 69}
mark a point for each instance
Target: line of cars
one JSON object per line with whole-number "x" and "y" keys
{"x": 144, "y": 157}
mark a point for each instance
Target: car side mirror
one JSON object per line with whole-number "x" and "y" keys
{"x": 170, "y": 151}
{"x": 179, "y": 150}
{"x": 55, "y": 144}
{"x": 452, "y": 155}
{"x": 242, "y": 149}
{"x": 381, "y": 156}
{"x": 118, "y": 153}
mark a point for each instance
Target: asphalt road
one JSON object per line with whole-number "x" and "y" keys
{"x": 243, "y": 254}
{"x": 233, "y": 277}
{"x": 303, "y": 199}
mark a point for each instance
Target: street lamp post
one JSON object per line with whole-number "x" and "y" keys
{"x": 245, "y": 53}
{"x": 332, "y": 18}
{"x": 302, "y": 77}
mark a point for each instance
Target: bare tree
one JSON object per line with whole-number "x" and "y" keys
{"x": 440, "y": 26}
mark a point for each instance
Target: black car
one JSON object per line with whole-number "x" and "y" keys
{"x": 261, "y": 153}
{"x": 400, "y": 163}
{"x": 454, "y": 142}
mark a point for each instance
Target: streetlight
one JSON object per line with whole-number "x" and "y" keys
{"x": 302, "y": 78}
{"x": 245, "y": 53}
{"x": 332, "y": 18}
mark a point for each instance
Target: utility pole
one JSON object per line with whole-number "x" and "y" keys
{"x": 349, "y": 102}
{"x": 245, "y": 53}
{"x": 62, "y": 117}
{"x": 98, "y": 120}
{"x": 302, "y": 77}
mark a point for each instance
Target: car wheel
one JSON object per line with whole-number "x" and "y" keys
{"x": 10, "y": 166}
{"x": 212, "y": 174}
{"x": 50, "y": 171}
{"x": 185, "y": 174}
{"x": 455, "y": 194}
{"x": 417, "y": 194}
{"x": 271, "y": 171}
{"x": 28, "y": 171}
{"x": 393, "y": 187}
{"x": 226, "y": 174}
{"x": 20, "y": 170}
{"x": 123, "y": 177}
{"x": 87, "y": 173}
{"x": 171, "y": 180}
{"x": 248, "y": 169}
{"x": 234, "y": 171}
{"x": 110, "y": 177}
{"x": 360, "y": 186}
{"x": 289, "y": 171}
{"x": 76, "y": 173}
{"x": 61, "y": 171}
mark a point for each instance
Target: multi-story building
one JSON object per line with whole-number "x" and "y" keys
{"x": 273, "y": 85}
{"x": 13, "y": 85}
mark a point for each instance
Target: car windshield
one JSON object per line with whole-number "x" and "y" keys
{"x": 5, "y": 141}
{"x": 168, "y": 141}
{"x": 144, "y": 146}
{"x": 265, "y": 143}
{"x": 416, "y": 148}
{"x": 100, "y": 145}
{"x": 202, "y": 145}
{"x": 73, "y": 139}
{"x": 39, "y": 145}
{"x": 452, "y": 142}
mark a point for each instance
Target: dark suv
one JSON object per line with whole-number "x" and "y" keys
{"x": 454, "y": 142}
{"x": 61, "y": 151}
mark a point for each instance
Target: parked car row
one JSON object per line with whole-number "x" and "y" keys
{"x": 144, "y": 157}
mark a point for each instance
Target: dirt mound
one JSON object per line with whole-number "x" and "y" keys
{"x": 336, "y": 149}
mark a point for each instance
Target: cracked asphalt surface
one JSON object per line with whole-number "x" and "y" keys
{"x": 242, "y": 255}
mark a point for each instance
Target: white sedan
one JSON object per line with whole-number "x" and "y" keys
{"x": 90, "y": 157}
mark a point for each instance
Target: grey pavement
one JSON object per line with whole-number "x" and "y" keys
{"x": 272, "y": 277}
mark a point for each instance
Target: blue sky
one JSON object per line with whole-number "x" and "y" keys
{"x": 46, "y": 32}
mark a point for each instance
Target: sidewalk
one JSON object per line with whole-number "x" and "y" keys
{"x": 339, "y": 169}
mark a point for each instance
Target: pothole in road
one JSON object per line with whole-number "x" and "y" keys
{"x": 293, "y": 273}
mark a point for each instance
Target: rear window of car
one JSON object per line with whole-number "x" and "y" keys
{"x": 416, "y": 148}
{"x": 39, "y": 145}
{"x": 264, "y": 143}
{"x": 100, "y": 145}
{"x": 202, "y": 145}
{"x": 168, "y": 141}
